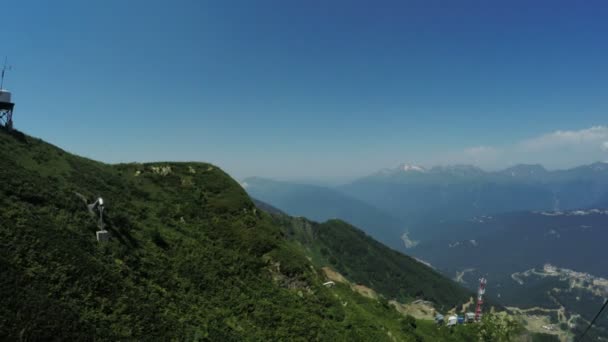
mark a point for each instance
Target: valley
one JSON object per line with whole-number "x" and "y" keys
{"x": 535, "y": 263}
{"x": 507, "y": 226}
{"x": 560, "y": 321}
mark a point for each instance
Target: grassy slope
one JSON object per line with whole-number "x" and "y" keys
{"x": 366, "y": 261}
{"x": 191, "y": 258}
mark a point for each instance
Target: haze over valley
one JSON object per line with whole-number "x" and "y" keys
{"x": 536, "y": 234}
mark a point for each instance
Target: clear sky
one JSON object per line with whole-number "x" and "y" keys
{"x": 313, "y": 89}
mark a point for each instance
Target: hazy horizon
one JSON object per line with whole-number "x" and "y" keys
{"x": 342, "y": 180}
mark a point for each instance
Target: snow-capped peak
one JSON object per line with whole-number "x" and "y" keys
{"x": 416, "y": 168}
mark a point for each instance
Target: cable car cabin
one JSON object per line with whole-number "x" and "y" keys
{"x": 469, "y": 317}
{"x": 103, "y": 235}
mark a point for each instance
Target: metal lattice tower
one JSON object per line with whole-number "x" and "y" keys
{"x": 480, "y": 293}
{"x": 6, "y": 106}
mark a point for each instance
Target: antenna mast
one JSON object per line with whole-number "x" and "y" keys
{"x": 480, "y": 293}
{"x": 5, "y": 67}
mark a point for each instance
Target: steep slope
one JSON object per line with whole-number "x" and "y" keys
{"x": 267, "y": 207}
{"x": 365, "y": 261}
{"x": 397, "y": 280}
{"x": 190, "y": 258}
{"x": 187, "y": 244}
{"x": 322, "y": 203}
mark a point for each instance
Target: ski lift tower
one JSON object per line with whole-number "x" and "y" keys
{"x": 6, "y": 106}
{"x": 102, "y": 234}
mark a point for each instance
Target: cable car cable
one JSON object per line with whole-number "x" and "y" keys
{"x": 593, "y": 321}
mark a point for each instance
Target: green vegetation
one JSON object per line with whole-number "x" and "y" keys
{"x": 365, "y": 261}
{"x": 190, "y": 258}
{"x": 540, "y": 337}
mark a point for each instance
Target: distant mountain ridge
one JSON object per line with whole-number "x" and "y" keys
{"x": 322, "y": 203}
{"x": 518, "y": 171}
{"x": 460, "y": 191}
{"x": 525, "y": 170}
{"x": 409, "y": 197}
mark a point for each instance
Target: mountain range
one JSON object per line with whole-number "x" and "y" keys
{"x": 463, "y": 190}
{"x": 408, "y": 198}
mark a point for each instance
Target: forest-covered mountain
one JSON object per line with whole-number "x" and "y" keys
{"x": 190, "y": 257}
{"x": 322, "y": 203}
{"x": 364, "y": 260}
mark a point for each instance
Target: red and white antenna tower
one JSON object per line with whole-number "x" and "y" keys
{"x": 480, "y": 293}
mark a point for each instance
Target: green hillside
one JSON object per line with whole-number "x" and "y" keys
{"x": 364, "y": 260}
{"x": 190, "y": 258}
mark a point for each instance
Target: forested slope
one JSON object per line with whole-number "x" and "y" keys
{"x": 364, "y": 260}
{"x": 190, "y": 258}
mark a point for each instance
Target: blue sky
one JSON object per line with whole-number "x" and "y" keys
{"x": 313, "y": 89}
